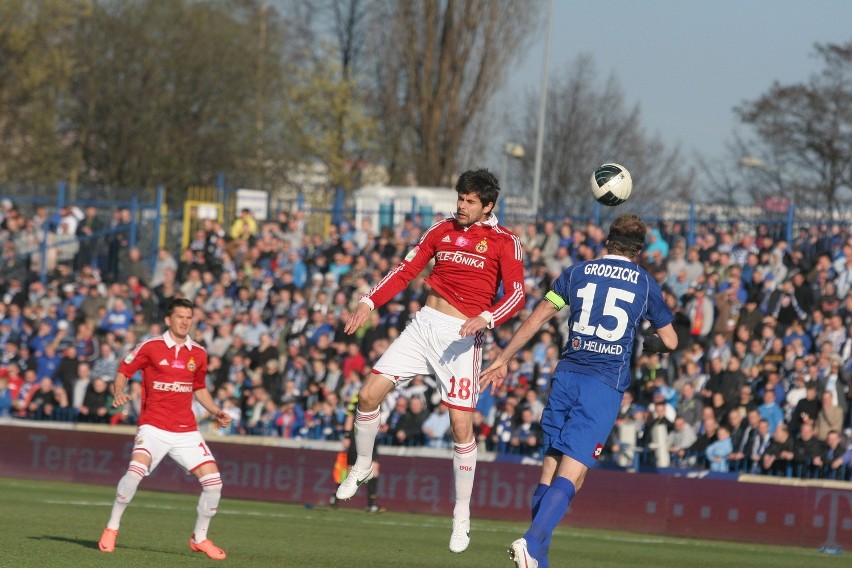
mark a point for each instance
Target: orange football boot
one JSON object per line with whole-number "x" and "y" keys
{"x": 107, "y": 542}
{"x": 207, "y": 547}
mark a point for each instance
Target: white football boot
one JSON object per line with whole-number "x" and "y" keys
{"x": 519, "y": 553}
{"x": 460, "y": 538}
{"x": 354, "y": 479}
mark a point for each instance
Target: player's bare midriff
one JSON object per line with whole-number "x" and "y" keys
{"x": 438, "y": 302}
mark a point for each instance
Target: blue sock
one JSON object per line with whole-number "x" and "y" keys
{"x": 540, "y": 490}
{"x": 551, "y": 508}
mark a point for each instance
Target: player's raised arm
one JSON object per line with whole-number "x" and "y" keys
{"x": 496, "y": 372}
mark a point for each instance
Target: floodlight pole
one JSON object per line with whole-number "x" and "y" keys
{"x": 542, "y": 107}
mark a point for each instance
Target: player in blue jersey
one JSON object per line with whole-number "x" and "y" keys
{"x": 607, "y": 299}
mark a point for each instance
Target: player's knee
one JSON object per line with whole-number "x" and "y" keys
{"x": 374, "y": 391}
{"x": 368, "y": 401}
{"x": 462, "y": 432}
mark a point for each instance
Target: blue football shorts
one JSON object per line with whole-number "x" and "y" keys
{"x": 579, "y": 416}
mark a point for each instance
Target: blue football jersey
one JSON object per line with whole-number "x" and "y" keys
{"x": 608, "y": 298}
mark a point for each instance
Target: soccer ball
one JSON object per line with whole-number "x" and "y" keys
{"x": 611, "y": 184}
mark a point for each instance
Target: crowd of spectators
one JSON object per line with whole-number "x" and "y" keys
{"x": 759, "y": 382}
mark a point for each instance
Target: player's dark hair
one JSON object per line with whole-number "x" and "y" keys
{"x": 480, "y": 182}
{"x": 178, "y": 303}
{"x": 626, "y": 236}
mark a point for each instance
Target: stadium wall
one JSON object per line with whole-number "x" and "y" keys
{"x": 800, "y": 515}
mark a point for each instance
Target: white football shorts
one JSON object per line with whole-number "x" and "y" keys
{"x": 431, "y": 345}
{"x": 188, "y": 449}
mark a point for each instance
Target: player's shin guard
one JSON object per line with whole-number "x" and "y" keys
{"x": 366, "y": 430}
{"x": 552, "y": 507}
{"x": 211, "y": 493}
{"x": 125, "y": 491}
{"x": 464, "y": 469}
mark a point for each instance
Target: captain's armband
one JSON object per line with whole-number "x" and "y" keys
{"x": 555, "y": 299}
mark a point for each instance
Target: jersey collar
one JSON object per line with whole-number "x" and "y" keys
{"x": 170, "y": 341}
{"x": 617, "y": 257}
{"x": 490, "y": 221}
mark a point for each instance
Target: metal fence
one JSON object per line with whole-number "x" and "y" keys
{"x": 147, "y": 227}
{"x": 156, "y": 219}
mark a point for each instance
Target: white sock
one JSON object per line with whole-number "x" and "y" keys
{"x": 366, "y": 430}
{"x": 125, "y": 491}
{"x": 211, "y": 493}
{"x": 464, "y": 469}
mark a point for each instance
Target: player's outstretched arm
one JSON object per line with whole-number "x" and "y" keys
{"x": 494, "y": 376}
{"x": 357, "y": 318}
{"x": 496, "y": 372}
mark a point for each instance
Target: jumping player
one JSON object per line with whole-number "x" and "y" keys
{"x": 607, "y": 299}
{"x": 473, "y": 255}
{"x": 173, "y": 369}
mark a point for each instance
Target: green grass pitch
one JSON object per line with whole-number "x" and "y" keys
{"x": 47, "y": 524}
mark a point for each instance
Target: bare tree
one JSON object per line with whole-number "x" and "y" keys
{"x": 350, "y": 20}
{"x": 803, "y": 134}
{"x": 587, "y": 125}
{"x": 436, "y": 65}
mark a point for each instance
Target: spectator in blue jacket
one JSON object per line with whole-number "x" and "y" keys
{"x": 5, "y": 399}
{"x": 717, "y": 452}
{"x": 48, "y": 362}
{"x": 117, "y": 320}
{"x": 770, "y": 411}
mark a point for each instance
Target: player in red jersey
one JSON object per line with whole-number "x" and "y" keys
{"x": 473, "y": 255}
{"x": 173, "y": 370}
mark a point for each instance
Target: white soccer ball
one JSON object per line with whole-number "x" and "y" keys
{"x": 611, "y": 184}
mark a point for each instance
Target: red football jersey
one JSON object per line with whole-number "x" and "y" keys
{"x": 470, "y": 263}
{"x": 171, "y": 373}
